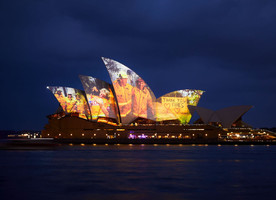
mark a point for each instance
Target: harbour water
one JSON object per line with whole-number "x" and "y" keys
{"x": 139, "y": 172}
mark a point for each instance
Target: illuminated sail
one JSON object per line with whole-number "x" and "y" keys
{"x": 174, "y": 105}
{"x": 71, "y": 100}
{"x": 135, "y": 98}
{"x": 100, "y": 98}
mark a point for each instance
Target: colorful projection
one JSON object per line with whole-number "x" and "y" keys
{"x": 100, "y": 98}
{"x": 174, "y": 105}
{"x": 135, "y": 98}
{"x": 71, "y": 100}
{"x": 128, "y": 100}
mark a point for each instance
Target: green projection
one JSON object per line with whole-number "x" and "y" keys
{"x": 174, "y": 105}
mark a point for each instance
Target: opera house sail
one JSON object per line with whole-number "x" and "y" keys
{"x": 174, "y": 105}
{"x": 135, "y": 98}
{"x": 100, "y": 98}
{"x": 225, "y": 116}
{"x": 71, "y": 100}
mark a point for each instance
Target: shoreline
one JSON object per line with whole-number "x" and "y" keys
{"x": 50, "y": 143}
{"x": 161, "y": 142}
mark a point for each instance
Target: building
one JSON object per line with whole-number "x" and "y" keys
{"x": 128, "y": 108}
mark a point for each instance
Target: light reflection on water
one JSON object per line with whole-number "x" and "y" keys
{"x": 139, "y": 172}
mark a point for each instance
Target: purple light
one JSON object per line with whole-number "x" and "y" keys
{"x": 142, "y": 136}
{"x": 131, "y": 136}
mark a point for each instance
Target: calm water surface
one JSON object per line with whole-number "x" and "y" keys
{"x": 139, "y": 172}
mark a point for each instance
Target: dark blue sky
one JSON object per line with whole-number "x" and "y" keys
{"x": 226, "y": 48}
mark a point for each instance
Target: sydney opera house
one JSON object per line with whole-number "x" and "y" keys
{"x": 127, "y": 108}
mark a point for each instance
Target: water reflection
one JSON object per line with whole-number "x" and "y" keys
{"x": 139, "y": 172}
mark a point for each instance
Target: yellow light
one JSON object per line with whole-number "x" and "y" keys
{"x": 70, "y": 144}
{"x": 94, "y": 144}
{"x": 82, "y": 144}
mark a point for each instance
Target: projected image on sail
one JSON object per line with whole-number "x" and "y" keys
{"x": 100, "y": 98}
{"x": 135, "y": 98}
{"x": 71, "y": 100}
{"x": 174, "y": 105}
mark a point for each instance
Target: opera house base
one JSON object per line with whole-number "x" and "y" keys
{"x": 72, "y": 129}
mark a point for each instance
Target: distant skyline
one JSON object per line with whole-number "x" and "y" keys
{"x": 225, "y": 47}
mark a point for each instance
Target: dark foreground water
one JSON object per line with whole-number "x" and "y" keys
{"x": 139, "y": 172}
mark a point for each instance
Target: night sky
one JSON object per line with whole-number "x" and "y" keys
{"x": 226, "y": 48}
